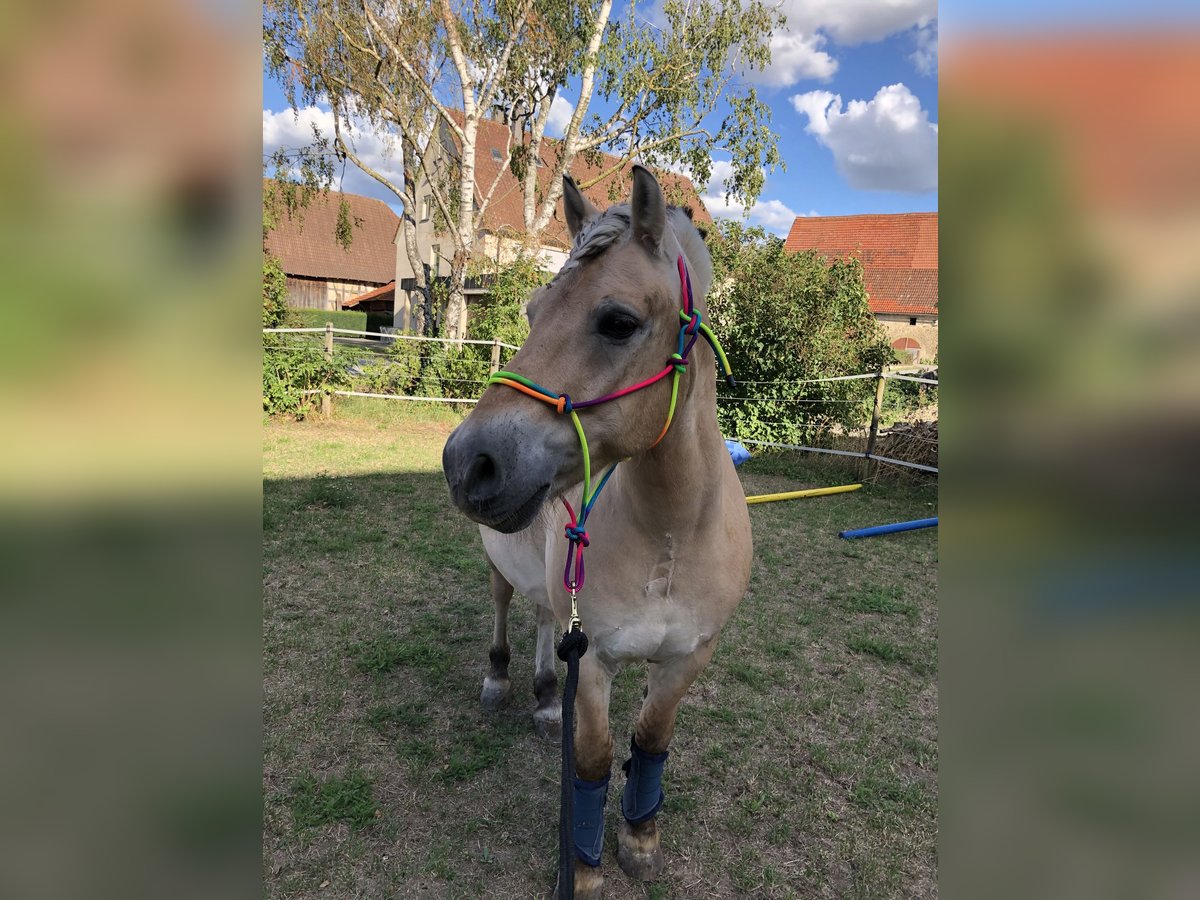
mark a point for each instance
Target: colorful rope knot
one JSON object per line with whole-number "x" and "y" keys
{"x": 678, "y": 362}
{"x": 576, "y": 534}
{"x": 564, "y": 404}
{"x": 693, "y": 322}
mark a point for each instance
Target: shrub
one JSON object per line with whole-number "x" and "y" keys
{"x": 396, "y": 372}
{"x": 499, "y": 315}
{"x": 785, "y": 318}
{"x": 350, "y": 319}
{"x": 291, "y": 367}
{"x": 455, "y": 371}
{"x": 275, "y": 307}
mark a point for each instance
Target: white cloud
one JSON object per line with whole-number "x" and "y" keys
{"x": 883, "y": 144}
{"x": 773, "y": 215}
{"x": 851, "y": 22}
{"x": 561, "y": 110}
{"x": 925, "y": 57}
{"x": 794, "y": 57}
{"x": 293, "y": 129}
{"x": 797, "y": 49}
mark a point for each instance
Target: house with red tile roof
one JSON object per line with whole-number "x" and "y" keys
{"x": 899, "y": 255}
{"x": 321, "y": 273}
{"x": 502, "y": 235}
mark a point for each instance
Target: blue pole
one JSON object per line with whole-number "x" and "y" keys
{"x": 888, "y": 529}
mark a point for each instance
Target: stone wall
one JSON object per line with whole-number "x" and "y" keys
{"x": 925, "y": 333}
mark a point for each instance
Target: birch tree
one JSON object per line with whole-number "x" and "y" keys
{"x": 428, "y": 73}
{"x": 645, "y": 87}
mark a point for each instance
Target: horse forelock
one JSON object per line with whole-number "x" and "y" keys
{"x": 613, "y": 225}
{"x": 598, "y": 235}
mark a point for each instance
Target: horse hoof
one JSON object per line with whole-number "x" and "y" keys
{"x": 548, "y": 726}
{"x": 589, "y": 882}
{"x": 495, "y": 693}
{"x": 638, "y": 851}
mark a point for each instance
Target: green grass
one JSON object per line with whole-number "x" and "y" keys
{"x": 804, "y": 762}
{"x": 315, "y": 802}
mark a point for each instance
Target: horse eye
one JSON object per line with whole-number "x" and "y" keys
{"x": 617, "y": 325}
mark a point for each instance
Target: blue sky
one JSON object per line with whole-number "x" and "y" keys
{"x": 853, "y": 94}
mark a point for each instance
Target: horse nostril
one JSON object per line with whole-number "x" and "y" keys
{"x": 481, "y": 472}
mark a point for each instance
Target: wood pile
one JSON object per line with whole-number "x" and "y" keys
{"x": 915, "y": 442}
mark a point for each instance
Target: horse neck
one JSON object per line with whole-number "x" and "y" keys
{"x": 675, "y": 482}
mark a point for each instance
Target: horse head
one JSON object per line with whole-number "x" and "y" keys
{"x": 608, "y": 320}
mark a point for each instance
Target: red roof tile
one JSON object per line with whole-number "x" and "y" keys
{"x": 899, "y": 254}
{"x": 389, "y": 288}
{"x": 306, "y": 245}
{"x": 505, "y": 213}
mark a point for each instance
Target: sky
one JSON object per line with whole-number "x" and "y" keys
{"x": 853, "y": 95}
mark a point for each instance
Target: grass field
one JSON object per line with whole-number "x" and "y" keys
{"x": 805, "y": 759}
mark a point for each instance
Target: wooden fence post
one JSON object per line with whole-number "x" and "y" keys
{"x": 495, "y": 358}
{"x": 880, "y": 385}
{"x": 326, "y": 397}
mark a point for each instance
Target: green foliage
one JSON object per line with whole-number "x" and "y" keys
{"x": 396, "y": 371}
{"x": 455, "y": 370}
{"x": 293, "y": 365}
{"x": 904, "y": 397}
{"x": 274, "y": 292}
{"x": 784, "y": 318}
{"x": 350, "y": 319}
{"x": 669, "y": 92}
{"x": 499, "y": 316}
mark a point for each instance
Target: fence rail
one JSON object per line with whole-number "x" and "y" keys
{"x": 899, "y": 373}
{"x": 390, "y": 337}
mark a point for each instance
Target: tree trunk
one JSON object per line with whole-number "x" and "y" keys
{"x": 456, "y": 305}
{"x": 422, "y": 318}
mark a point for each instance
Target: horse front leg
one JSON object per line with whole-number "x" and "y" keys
{"x": 593, "y": 763}
{"x": 496, "y": 686}
{"x": 547, "y": 717}
{"x": 639, "y": 851}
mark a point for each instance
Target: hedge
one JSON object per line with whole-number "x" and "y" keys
{"x": 350, "y": 319}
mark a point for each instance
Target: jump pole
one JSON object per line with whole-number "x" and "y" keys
{"x": 795, "y": 495}
{"x": 888, "y": 529}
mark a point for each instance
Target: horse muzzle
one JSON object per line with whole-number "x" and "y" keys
{"x": 499, "y": 474}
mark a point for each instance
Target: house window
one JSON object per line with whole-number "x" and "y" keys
{"x": 426, "y": 207}
{"x": 496, "y": 155}
{"x": 912, "y": 320}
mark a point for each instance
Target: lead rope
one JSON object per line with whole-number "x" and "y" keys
{"x": 573, "y": 645}
{"x": 574, "y": 642}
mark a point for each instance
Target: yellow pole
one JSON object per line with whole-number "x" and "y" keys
{"x": 811, "y": 492}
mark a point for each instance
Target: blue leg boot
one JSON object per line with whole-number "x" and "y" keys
{"x": 643, "y": 796}
{"x": 590, "y": 797}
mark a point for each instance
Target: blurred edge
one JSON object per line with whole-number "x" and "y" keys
{"x": 1070, "y": 247}
{"x": 129, "y": 492}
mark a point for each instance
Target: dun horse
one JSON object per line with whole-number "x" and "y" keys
{"x": 669, "y": 537}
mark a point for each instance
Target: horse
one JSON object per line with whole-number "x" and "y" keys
{"x": 669, "y": 539}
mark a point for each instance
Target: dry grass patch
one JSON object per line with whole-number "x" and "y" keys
{"x": 805, "y": 759}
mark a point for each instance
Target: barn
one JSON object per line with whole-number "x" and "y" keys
{"x": 321, "y": 273}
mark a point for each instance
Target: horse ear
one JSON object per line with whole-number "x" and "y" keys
{"x": 578, "y": 208}
{"x": 648, "y": 209}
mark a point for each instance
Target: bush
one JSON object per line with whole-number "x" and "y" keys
{"x": 350, "y": 319}
{"x": 455, "y": 371}
{"x": 275, "y": 307}
{"x": 499, "y": 315}
{"x": 396, "y": 372}
{"x": 291, "y": 367}
{"x": 784, "y": 318}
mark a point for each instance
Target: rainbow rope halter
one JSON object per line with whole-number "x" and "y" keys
{"x": 691, "y": 329}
